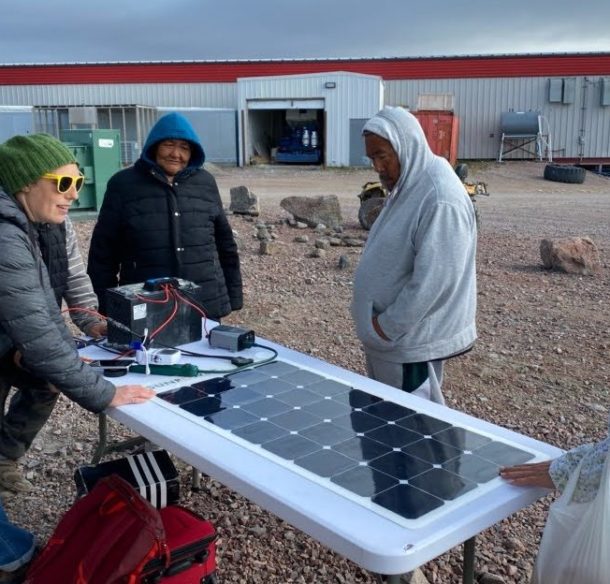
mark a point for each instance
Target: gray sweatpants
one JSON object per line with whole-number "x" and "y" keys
{"x": 393, "y": 374}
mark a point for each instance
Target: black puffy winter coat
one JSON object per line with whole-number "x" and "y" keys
{"x": 148, "y": 228}
{"x": 30, "y": 320}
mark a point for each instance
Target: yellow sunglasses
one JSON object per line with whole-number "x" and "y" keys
{"x": 65, "y": 182}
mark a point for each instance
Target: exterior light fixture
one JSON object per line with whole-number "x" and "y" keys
{"x": 330, "y": 85}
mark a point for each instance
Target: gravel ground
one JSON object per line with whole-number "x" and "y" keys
{"x": 541, "y": 366}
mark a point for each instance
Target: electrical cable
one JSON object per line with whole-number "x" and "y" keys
{"x": 171, "y": 293}
{"x": 135, "y": 334}
{"x": 190, "y": 370}
{"x": 167, "y": 321}
{"x": 100, "y": 344}
{"x": 268, "y": 349}
{"x": 146, "y": 365}
{"x": 273, "y": 357}
{"x": 194, "y": 303}
{"x": 148, "y": 300}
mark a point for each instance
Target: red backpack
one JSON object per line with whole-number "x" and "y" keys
{"x": 104, "y": 538}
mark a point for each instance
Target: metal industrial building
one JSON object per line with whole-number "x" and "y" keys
{"x": 239, "y": 107}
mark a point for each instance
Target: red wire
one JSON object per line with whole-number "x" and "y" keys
{"x": 166, "y": 321}
{"x": 170, "y": 293}
{"x": 161, "y": 301}
{"x": 197, "y": 308}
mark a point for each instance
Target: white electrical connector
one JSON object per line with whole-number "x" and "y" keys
{"x": 144, "y": 356}
{"x": 158, "y": 356}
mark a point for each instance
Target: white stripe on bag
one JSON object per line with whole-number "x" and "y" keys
{"x": 137, "y": 475}
{"x": 161, "y": 480}
{"x": 151, "y": 481}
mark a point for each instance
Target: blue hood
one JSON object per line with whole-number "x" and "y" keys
{"x": 173, "y": 126}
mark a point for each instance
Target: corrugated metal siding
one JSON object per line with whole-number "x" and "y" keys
{"x": 217, "y": 95}
{"x": 391, "y": 69}
{"x": 15, "y": 120}
{"x": 479, "y": 103}
{"x": 216, "y": 129}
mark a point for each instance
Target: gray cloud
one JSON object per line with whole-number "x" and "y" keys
{"x": 38, "y": 31}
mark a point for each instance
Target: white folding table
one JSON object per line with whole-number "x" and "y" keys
{"x": 374, "y": 538}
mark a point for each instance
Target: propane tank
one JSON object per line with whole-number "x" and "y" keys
{"x": 314, "y": 139}
{"x": 305, "y": 140}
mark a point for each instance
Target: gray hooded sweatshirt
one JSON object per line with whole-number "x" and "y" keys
{"x": 417, "y": 271}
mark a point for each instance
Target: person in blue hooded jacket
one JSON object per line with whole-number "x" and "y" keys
{"x": 164, "y": 217}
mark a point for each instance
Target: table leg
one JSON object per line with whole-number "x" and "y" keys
{"x": 394, "y": 579}
{"x": 467, "y": 578}
{"x": 469, "y": 546}
{"x": 102, "y": 424}
{"x": 195, "y": 480}
{"x": 104, "y": 448}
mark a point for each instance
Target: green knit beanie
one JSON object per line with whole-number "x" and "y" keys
{"x": 24, "y": 159}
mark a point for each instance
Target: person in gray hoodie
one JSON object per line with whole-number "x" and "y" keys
{"x": 414, "y": 296}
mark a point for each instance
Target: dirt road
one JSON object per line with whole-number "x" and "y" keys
{"x": 521, "y": 200}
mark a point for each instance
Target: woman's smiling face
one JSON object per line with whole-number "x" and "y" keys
{"x": 42, "y": 200}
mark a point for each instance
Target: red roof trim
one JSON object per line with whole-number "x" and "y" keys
{"x": 228, "y": 72}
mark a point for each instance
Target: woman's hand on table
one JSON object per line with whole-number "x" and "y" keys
{"x": 131, "y": 394}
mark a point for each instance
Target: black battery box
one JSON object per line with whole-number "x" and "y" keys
{"x": 134, "y": 308}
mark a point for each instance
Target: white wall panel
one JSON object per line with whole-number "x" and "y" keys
{"x": 151, "y": 94}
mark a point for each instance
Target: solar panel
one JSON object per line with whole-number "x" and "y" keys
{"x": 402, "y": 463}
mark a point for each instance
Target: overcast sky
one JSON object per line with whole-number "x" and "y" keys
{"x": 52, "y": 31}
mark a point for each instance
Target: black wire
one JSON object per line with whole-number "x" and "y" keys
{"x": 268, "y": 349}
{"x": 194, "y": 354}
{"x": 227, "y": 357}
{"x": 110, "y": 349}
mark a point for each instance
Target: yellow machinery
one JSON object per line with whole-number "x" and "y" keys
{"x": 373, "y": 194}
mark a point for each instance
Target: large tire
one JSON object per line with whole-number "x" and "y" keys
{"x": 462, "y": 171}
{"x": 565, "y": 173}
{"x": 369, "y": 211}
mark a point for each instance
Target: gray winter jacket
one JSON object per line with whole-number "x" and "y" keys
{"x": 417, "y": 272}
{"x": 30, "y": 320}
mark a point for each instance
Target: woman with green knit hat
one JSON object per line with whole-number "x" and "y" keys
{"x": 39, "y": 181}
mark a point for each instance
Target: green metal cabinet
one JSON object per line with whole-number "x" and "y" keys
{"x": 98, "y": 154}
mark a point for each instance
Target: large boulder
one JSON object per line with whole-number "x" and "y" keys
{"x": 244, "y": 202}
{"x": 314, "y": 210}
{"x": 576, "y": 255}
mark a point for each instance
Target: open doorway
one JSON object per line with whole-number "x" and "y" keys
{"x": 285, "y": 136}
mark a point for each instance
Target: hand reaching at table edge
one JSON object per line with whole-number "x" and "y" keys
{"x": 529, "y": 475}
{"x": 131, "y": 394}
